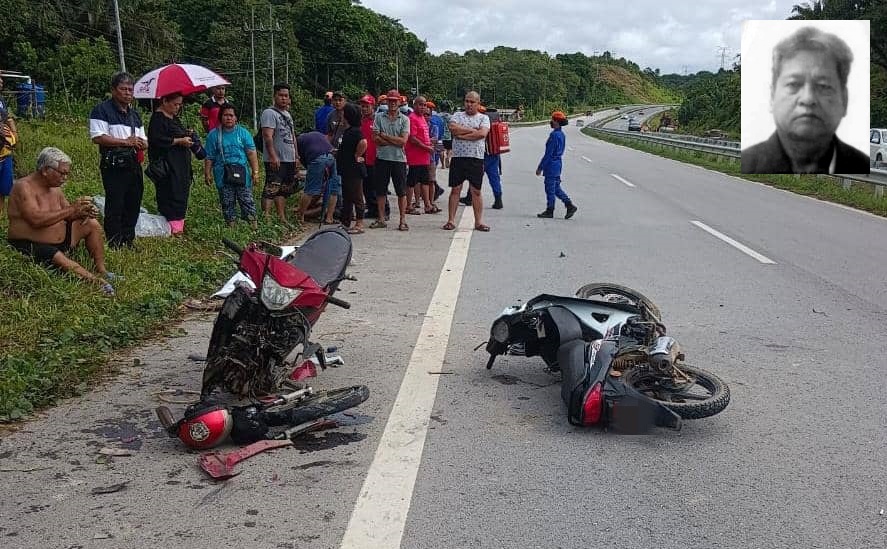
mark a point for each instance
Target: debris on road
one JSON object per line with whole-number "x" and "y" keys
{"x": 119, "y": 452}
{"x": 23, "y": 469}
{"x": 109, "y": 489}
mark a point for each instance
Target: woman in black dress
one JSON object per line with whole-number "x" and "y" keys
{"x": 350, "y": 165}
{"x": 167, "y": 139}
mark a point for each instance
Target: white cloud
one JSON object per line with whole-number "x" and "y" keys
{"x": 663, "y": 34}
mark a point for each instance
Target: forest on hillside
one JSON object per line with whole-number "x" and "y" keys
{"x": 71, "y": 49}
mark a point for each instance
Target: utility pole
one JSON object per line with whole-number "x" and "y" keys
{"x": 273, "y": 26}
{"x": 397, "y": 69}
{"x": 119, "y": 36}
{"x": 251, "y": 29}
{"x": 723, "y": 50}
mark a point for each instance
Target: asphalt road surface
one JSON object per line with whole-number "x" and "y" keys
{"x": 782, "y": 296}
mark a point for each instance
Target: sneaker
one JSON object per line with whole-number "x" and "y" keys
{"x": 571, "y": 209}
{"x": 547, "y": 214}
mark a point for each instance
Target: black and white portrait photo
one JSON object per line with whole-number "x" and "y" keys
{"x": 805, "y": 97}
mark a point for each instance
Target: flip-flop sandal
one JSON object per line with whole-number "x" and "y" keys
{"x": 433, "y": 210}
{"x": 378, "y": 225}
{"x": 414, "y": 211}
{"x": 403, "y": 227}
{"x": 482, "y": 228}
{"x": 355, "y": 230}
{"x": 448, "y": 226}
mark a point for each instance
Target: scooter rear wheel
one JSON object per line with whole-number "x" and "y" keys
{"x": 709, "y": 395}
{"x": 601, "y": 290}
{"x": 320, "y": 404}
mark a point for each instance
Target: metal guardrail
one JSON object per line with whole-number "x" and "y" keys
{"x": 673, "y": 141}
{"x": 876, "y": 177}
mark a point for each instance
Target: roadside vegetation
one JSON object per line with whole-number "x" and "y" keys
{"x": 860, "y": 195}
{"x": 56, "y": 332}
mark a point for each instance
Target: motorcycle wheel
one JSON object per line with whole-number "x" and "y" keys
{"x": 320, "y": 404}
{"x": 708, "y": 396}
{"x": 603, "y": 289}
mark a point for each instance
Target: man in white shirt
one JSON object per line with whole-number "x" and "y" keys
{"x": 469, "y": 130}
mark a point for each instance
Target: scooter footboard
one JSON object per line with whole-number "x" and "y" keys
{"x": 576, "y": 377}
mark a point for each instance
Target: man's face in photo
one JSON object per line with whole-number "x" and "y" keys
{"x": 808, "y": 101}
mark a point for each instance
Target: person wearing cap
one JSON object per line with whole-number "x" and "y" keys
{"x": 323, "y": 112}
{"x": 335, "y": 121}
{"x": 390, "y": 132}
{"x": 469, "y": 129}
{"x": 550, "y": 166}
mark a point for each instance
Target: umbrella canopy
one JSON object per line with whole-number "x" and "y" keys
{"x": 176, "y": 78}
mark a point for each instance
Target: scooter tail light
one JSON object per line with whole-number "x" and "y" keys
{"x": 593, "y": 406}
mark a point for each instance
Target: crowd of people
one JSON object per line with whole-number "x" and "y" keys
{"x": 345, "y": 167}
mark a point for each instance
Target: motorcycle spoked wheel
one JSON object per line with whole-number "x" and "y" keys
{"x": 707, "y": 396}
{"x": 318, "y": 405}
{"x": 601, "y": 290}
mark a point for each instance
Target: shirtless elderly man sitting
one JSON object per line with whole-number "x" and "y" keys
{"x": 45, "y": 227}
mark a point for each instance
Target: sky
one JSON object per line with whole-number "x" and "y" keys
{"x": 675, "y": 36}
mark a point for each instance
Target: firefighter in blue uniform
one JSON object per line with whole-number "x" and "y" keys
{"x": 550, "y": 166}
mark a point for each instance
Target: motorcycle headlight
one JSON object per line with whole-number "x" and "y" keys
{"x": 500, "y": 331}
{"x": 275, "y": 296}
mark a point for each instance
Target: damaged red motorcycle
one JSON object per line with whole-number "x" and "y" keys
{"x": 618, "y": 367}
{"x": 261, "y": 349}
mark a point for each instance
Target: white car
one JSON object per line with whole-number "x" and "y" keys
{"x": 878, "y": 145}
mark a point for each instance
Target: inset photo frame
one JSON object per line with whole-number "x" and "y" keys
{"x": 789, "y": 116}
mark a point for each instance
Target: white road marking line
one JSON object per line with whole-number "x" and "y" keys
{"x": 381, "y": 510}
{"x": 571, "y": 149}
{"x": 741, "y": 247}
{"x": 630, "y": 184}
{"x": 586, "y": 159}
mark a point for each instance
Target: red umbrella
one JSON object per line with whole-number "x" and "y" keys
{"x": 176, "y": 78}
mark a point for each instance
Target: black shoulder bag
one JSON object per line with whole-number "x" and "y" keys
{"x": 234, "y": 174}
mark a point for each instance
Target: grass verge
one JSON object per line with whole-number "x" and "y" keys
{"x": 57, "y": 333}
{"x": 860, "y": 195}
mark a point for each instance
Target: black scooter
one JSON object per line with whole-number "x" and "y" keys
{"x": 618, "y": 367}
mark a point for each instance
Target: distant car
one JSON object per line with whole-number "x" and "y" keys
{"x": 580, "y": 123}
{"x": 640, "y": 112}
{"x": 878, "y": 145}
{"x": 715, "y": 134}
{"x": 634, "y": 125}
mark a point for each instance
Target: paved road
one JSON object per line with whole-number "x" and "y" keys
{"x": 797, "y": 460}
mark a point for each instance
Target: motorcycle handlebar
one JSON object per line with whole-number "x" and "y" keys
{"x": 233, "y": 246}
{"x": 338, "y": 302}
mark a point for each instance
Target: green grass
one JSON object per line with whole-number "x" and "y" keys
{"x": 56, "y": 332}
{"x": 860, "y": 195}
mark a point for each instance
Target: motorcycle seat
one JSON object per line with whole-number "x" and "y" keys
{"x": 324, "y": 256}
